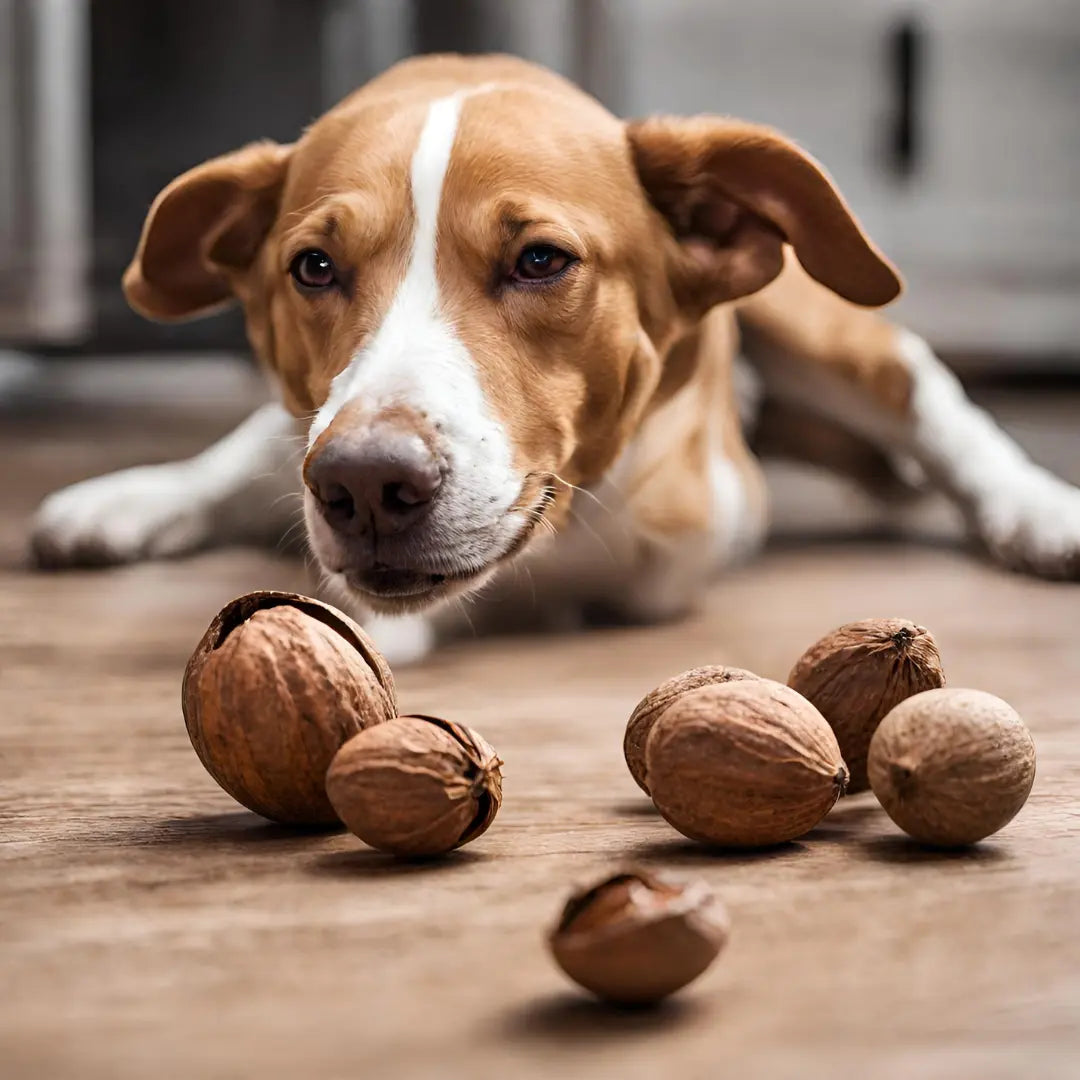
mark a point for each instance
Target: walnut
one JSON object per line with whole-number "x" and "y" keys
{"x": 416, "y": 786}
{"x": 656, "y": 701}
{"x": 857, "y": 673}
{"x": 276, "y": 685}
{"x": 743, "y": 764}
{"x": 952, "y": 766}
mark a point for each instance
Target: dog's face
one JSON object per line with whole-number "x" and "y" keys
{"x": 472, "y": 293}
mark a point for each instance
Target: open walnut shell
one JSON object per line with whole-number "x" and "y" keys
{"x": 278, "y": 682}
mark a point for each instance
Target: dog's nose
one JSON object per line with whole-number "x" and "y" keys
{"x": 383, "y": 481}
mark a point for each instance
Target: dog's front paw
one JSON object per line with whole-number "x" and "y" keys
{"x": 1034, "y": 527}
{"x": 141, "y": 513}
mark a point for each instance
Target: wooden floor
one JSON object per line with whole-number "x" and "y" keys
{"x": 150, "y": 927}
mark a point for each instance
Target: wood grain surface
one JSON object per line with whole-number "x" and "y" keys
{"x": 150, "y": 927}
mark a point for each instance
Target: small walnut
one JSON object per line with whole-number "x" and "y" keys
{"x": 656, "y": 701}
{"x": 952, "y": 766}
{"x": 857, "y": 673}
{"x": 276, "y": 685}
{"x": 416, "y": 786}
{"x": 743, "y": 764}
{"x": 637, "y": 937}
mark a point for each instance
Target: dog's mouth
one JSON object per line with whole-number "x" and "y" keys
{"x": 392, "y": 583}
{"x": 396, "y": 588}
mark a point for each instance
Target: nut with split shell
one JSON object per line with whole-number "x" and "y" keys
{"x": 636, "y": 937}
{"x": 648, "y": 710}
{"x": 416, "y": 786}
{"x": 278, "y": 682}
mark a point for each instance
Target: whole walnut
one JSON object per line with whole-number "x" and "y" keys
{"x": 952, "y": 766}
{"x": 650, "y": 707}
{"x": 276, "y": 685}
{"x": 857, "y": 673}
{"x": 743, "y": 764}
{"x": 417, "y": 786}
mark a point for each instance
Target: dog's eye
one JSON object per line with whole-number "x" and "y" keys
{"x": 313, "y": 269}
{"x": 541, "y": 261}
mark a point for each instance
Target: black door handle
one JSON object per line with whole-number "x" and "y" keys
{"x": 906, "y": 54}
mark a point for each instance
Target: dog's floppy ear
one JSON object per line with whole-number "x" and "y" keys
{"x": 734, "y": 194}
{"x": 205, "y": 226}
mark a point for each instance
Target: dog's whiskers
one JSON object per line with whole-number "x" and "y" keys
{"x": 540, "y": 519}
{"x": 289, "y": 534}
{"x": 289, "y": 495}
{"x": 583, "y": 491}
{"x": 460, "y": 604}
{"x": 524, "y": 568}
{"x": 582, "y": 523}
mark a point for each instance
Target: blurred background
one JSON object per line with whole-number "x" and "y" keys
{"x": 952, "y": 126}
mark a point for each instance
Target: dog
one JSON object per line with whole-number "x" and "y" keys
{"x": 504, "y": 326}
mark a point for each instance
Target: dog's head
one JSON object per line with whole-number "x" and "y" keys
{"x": 472, "y": 291}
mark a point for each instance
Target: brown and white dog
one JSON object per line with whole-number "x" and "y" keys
{"x": 485, "y": 300}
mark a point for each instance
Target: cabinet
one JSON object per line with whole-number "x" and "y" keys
{"x": 985, "y": 219}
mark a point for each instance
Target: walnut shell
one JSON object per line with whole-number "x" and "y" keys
{"x": 276, "y": 685}
{"x": 416, "y": 786}
{"x": 857, "y": 673}
{"x": 743, "y": 764}
{"x": 656, "y": 701}
{"x": 952, "y": 766}
{"x": 637, "y": 937}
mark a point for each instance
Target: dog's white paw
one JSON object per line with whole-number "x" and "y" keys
{"x": 141, "y": 513}
{"x": 1034, "y": 525}
{"x": 402, "y": 639}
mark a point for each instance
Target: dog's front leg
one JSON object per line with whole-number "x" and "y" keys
{"x": 1027, "y": 517}
{"x": 885, "y": 384}
{"x": 237, "y": 490}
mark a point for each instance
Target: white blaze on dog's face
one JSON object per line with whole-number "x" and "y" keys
{"x": 470, "y": 275}
{"x": 414, "y": 378}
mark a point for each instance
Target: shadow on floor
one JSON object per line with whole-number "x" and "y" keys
{"x": 690, "y": 853}
{"x": 904, "y": 851}
{"x": 365, "y": 863}
{"x": 848, "y": 821}
{"x": 240, "y": 830}
{"x": 574, "y": 1018}
{"x": 641, "y": 808}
